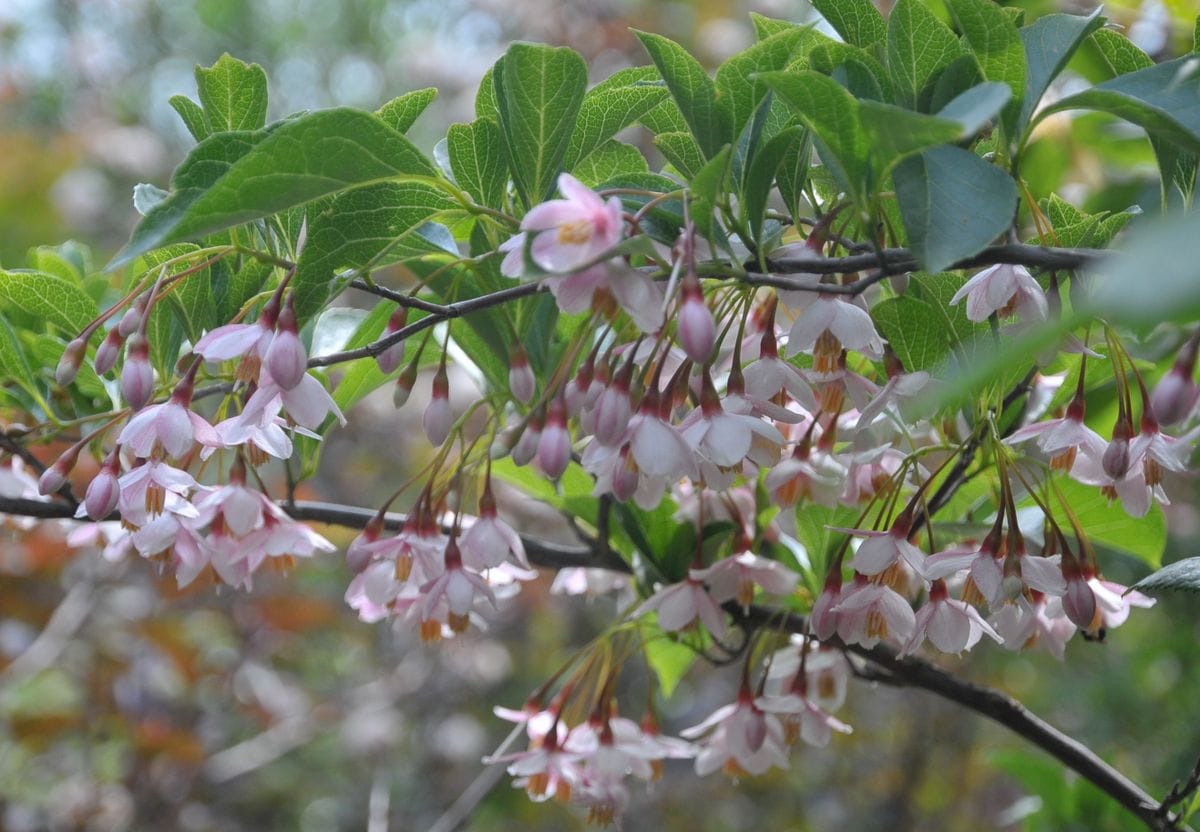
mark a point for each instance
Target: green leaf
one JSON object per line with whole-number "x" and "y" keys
{"x": 762, "y": 173}
{"x": 1118, "y": 54}
{"x": 233, "y": 94}
{"x": 243, "y": 285}
{"x": 682, "y": 151}
{"x": 854, "y": 68}
{"x": 486, "y": 105}
{"x": 400, "y": 113}
{"x": 668, "y": 658}
{"x": 953, "y": 203}
{"x": 893, "y": 133}
{"x": 357, "y": 228}
{"x": 12, "y": 358}
{"x": 705, "y": 189}
{"x": 1049, "y": 43}
{"x": 193, "y": 116}
{"x": 708, "y": 116}
{"x": 1180, "y": 575}
{"x": 996, "y": 44}
{"x": 831, "y": 112}
{"x": 539, "y": 90}
{"x": 611, "y": 106}
{"x": 919, "y": 48}
{"x": 977, "y": 106}
{"x": 1163, "y": 99}
{"x": 736, "y": 81}
{"x": 477, "y": 160}
{"x": 915, "y": 330}
{"x": 1153, "y": 278}
{"x": 857, "y": 21}
{"x": 49, "y": 298}
{"x": 961, "y": 75}
{"x": 233, "y": 178}
{"x": 608, "y": 161}
{"x": 793, "y": 171}
{"x": 1109, "y": 526}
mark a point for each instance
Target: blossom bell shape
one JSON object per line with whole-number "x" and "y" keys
{"x": 1003, "y": 289}
{"x": 696, "y": 329}
{"x": 137, "y": 376}
{"x": 571, "y": 232}
{"x": 438, "y": 418}
{"x": 286, "y": 359}
{"x": 950, "y": 625}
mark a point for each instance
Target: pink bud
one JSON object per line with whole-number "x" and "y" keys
{"x": 103, "y": 491}
{"x": 358, "y": 555}
{"x": 520, "y": 378}
{"x": 1116, "y": 457}
{"x": 137, "y": 376}
{"x": 68, "y": 365}
{"x": 1175, "y": 397}
{"x": 286, "y": 359}
{"x": 824, "y": 619}
{"x": 107, "y": 352}
{"x": 438, "y": 417}
{"x": 1080, "y": 602}
{"x": 404, "y": 384}
{"x": 55, "y": 477}
{"x": 527, "y": 446}
{"x": 390, "y": 359}
{"x": 554, "y": 446}
{"x": 696, "y": 329}
{"x": 131, "y": 321}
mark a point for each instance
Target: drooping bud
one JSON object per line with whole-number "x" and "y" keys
{"x": 526, "y": 448}
{"x": 554, "y": 446}
{"x": 287, "y": 360}
{"x": 613, "y": 408}
{"x": 1079, "y": 602}
{"x": 1116, "y": 456}
{"x": 520, "y": 377}
{"x": 358, "y": 553}
{"x": 68, "y": 365}
{"x": 104, "y": 490}
{"x": 697, "y": 331}
{"x": 438, "y": 418}
{"x": 107, "y": 352}
{"x": 137, "y": 376}
{"x": 390, "y": 359}
{"x": 1176, "y": 395}
{"x": 55, "y": 477}
{"x": 131, "y": 321}
{"x": 404, "y": 384}
{"x": 625, "y": 475}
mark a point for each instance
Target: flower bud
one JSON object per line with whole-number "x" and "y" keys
{"x": 68, "y": 365}
{"x": 527, "y": 446}
{"x": 286, "y": 358}
{"x": 107, "y": 352}
{"x": 438, "y": 417}
{"x": 104, "y": 490}
{"x": 131, "y": 321}
{"x": 1079, "y": 603}
{"x": 55, "y": 477}
{"x": 390, "y": 359}
{"x": 358, "y": 553}
{"x": 1116, "y": 457}
{"x": 625, "y": 476}
{"x": 404, "y": 384}
{"x": 1175, "y": 397}
{"x": 697, "y": 331}
{"x": 137, "y": 376}
{"x": 554, "y": 445}
{"x": 520, "y": 377}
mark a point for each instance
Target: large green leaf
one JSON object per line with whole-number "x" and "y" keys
{"x": 233, "y": 94}
{"x": 608, "y": 161}
{"x": 539, "y": 90}
{"x": 953, "y": 204}
{"x": 611, "y": 106}
{"x": 1163, "y": 99}
{"x": 48, "y": 298}
{"x": 477, "y": 160}
{"x": 916, "y": 331}
{"x": 857, "y": 21}
{"x": 736, "y": 80}
{"x": 709, "y": 117}
{"x": 919, "y": 47}
{"x": 854, "y": 68}
{"x": 1049, "y": 43}
{"x": 233, "y": 178}
{"x": 996, "y": 44}
{"x": 682, "y": 151}
{"x": 400, "y": 113}
{"x": 357, "y": 228}
{"x": 761, "y": 174}
{"x": 12, "y": 358}
{"x": 1117, "y": 54}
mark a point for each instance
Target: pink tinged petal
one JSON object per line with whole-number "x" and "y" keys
{"x": 988, "y": 576}
{"x": 574, "y": 293}
{"x": 552, "y": 254}
{"x": 228, "y": 342}
{"x": 138, "y": 434}
{"x": 676, "y": 607}
{"x": 551, "y": 214}
{"x": 949, "y": 629}
{"x": 1043, "y": 574}
{"x": 274, "y": 440}
{"x": 728, "y": 440}
{"x": 809, "y": 326}
{"x": 640, "y": 297}
{"x": 242, "y": 511}
{"x": 203, "y": 432}
{"x": 971, "y": 284}
{"x": 579, "y": 193}
{"x": 855, "y": 329}
{"x": 945, "y": 564}
{"x": 715, "y": 718}
{"x": 287, "y": 360}
{"x": 309, "y": 403}
{"x": 709, "y": 611}
{"x": 174, "y": 429}
{"x": 876, "y": 554}
{"x": 513, "y": 264}
{"x": 900, "y": 618}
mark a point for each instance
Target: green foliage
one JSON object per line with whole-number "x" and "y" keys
{"x": 400, "y": 113}
{"x": 477, "y": 160}
{"x": 919, "y": 48}
{"x": 39, "y": 297}
{"x": 710, "y": 118}
{"x": 612, "y": 105}
{"x": 857, "y": 21}
{"x": 233, "y": 95}
{"x": 1181, "y": 575}
{"x": 996, "y": 45}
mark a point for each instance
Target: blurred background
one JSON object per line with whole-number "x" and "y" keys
{"x": 125, "y": 704}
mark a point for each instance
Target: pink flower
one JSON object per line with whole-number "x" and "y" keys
{"x": 870, "y": 613}
{"x": 152, "y": 488}
{"x": 520, "y": 377}
{"x": 1023, "y": 624}
{"x": 438, "y": 417}
{"x": 554, "y": 445}
{"x": 286, "y": 359}
{"x": 830, "y": 324}
{"x": 104, "y": 491}
{"x": 545, "y": 771}
{"x": 803, "y": 719}
{"x": 137, "y": 376}
{"x": 1003, "y": 289}
{"x": 172, "y": 424}
{"x": 457, "y": 587}
{"x": 573, "y": 231}
{"x": 236, "y": 340}
{"x": 1062, "y": 439}
{"x": 881, "y": 550}
{"x": 308, "y": 403}
{"x": 678, "y": 605}
{"x": 744, "y": 739}
{"x": 490, "y": 541}
{"x": 638, "y": 295}
{"x": 696, "y": 329}
{"x": 950, "y": 625}
{"x": 736, "y": 577}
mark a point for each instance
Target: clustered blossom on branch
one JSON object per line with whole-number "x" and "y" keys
{"x": 746, "y": 407}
